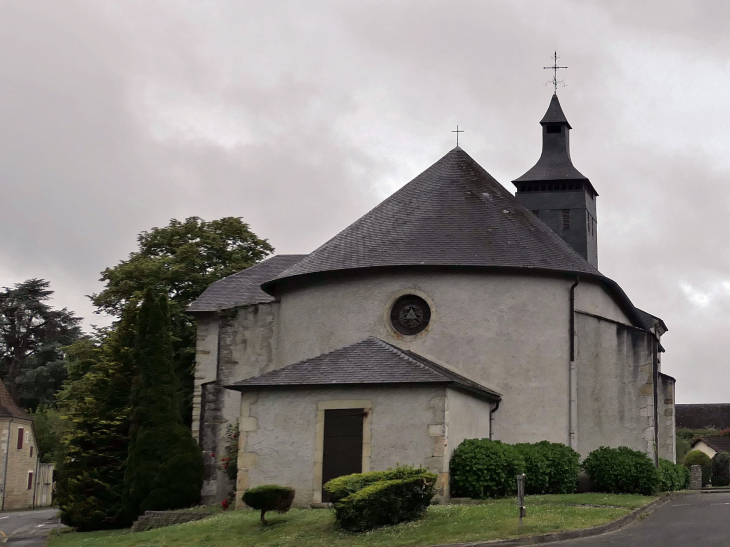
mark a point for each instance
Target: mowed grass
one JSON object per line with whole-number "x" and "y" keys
{"x": 442, "y": 524}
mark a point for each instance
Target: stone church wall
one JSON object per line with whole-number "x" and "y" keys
{"x": 509, "y": 333}
{"x": 232, "y": 345}
{"x": 667, "y": 432}
{"x": 468, "y": 418}
{"x": 279, "y": 434}
{"x": 615, "y": 386}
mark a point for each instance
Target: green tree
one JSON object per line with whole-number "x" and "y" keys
{"x": 181, "y": 260}
{"x": 95, "y": 403}
{"x": 164, "y": 465}
{"x": 31, "y": 337}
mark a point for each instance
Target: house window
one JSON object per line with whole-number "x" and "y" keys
{"x": 31, "y": 451}
{"x": 566, "y": 219}
{"x": 20, "y": 438}
{"x": 30, "y": 480}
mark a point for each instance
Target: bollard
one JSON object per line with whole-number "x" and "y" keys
{"x": 521, "y": 497}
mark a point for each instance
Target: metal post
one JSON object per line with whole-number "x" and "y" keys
{"x": 521, "y": 496}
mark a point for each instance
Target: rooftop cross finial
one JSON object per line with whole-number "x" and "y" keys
{"x": 555, "y": 68}
{"x": 457, "y": 134}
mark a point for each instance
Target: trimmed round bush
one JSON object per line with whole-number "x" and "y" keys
{"x": 721, "y": 469}
{"x": 621, "y": 471}
{"x": 550, "y": 468}
{"x": 386, "y": 502}
{"x": 269, "y": 497}
{"x": 341, "y": 487}
{"x": 697, "y": 457}
{"x": 481, "y": 469}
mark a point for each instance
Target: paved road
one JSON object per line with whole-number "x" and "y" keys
{"x": 27, "y": 528}
{"x": 697, "y": 519}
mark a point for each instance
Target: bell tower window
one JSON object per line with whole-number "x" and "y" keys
{"x": 553, "y": 128}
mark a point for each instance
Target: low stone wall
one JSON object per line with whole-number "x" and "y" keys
{"x": 159, "y": 519}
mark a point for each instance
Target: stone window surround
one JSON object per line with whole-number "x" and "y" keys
{"x": 319, "y": 447}
{"x": 389, "y": 306}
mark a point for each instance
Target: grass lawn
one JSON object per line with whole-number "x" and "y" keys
{"x": 316, "y": 527}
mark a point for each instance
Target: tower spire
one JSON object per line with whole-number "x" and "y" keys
{"x": 554, "y": 190}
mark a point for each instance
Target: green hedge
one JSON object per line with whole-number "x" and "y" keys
{"x": 721, "y": 469}
{"x": 672, "y": 476}
{"x": 550, "y": 468}
{"x": 481, "y": 469}
{"x": 621, "y": 471}
{"x": 386, "y": 502}
{"x": 341, "y": 487}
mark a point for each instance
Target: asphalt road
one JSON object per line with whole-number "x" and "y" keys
{"x": 27, "y": 528}
{"x": 696, "y": 519}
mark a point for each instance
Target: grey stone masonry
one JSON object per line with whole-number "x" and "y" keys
{"x": 696, "y": 480}
{"x": 158, "y": 519}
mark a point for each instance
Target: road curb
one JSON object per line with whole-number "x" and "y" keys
{"x": 632, "y": 517}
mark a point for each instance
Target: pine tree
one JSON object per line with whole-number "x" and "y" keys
{"x": 165, "y": 464}
{"x": 95, "y": 404}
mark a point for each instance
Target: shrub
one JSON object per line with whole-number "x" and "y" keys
{"x": 269, "y": 497}
{"x": 685, "y": 475}
{"x": 671, "y": 476}
{"x": 341, "y": 487}
{"x": 550, "y": 468}
{"x": 621, "y": 471}
{"x": 721, "y": 469}
{"x": 697, "y": 457}
{"x": 481, "y": 468}
{"x": 386, "y": 502}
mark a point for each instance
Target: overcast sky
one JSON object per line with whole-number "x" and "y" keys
{"x": 301, "y": 116}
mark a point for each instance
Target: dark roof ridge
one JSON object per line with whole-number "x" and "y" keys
{"x": 8, "y": 406}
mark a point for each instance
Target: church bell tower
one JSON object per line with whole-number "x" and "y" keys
{"x": 557, "y": 192}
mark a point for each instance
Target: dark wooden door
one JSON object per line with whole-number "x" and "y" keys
{"x": 342, "y": 450}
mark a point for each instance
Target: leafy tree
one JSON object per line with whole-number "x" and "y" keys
{"x": 49, "y": 427}
{"x": 165, "y": 465}
{"x": 31, "y": 337}
{"x": 95, "y": 403}
{"x": 181, "y": 260}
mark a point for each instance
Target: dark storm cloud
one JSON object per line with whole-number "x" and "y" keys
{"x": 301, "y": 116}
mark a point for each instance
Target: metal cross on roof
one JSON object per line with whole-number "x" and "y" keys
{"x": 457, "y": 134}
{"x": 555, "y": 68}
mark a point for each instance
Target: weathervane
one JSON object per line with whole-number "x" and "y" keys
{"x": 555, "y": 68}
{"x": 457, "y": 134}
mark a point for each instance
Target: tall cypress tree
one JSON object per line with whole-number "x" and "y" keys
{"x": 165, "y": 464}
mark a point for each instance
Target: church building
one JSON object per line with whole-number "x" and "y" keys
{"x": 452, "y": 310}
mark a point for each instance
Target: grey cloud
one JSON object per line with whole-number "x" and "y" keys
{"x": 299, "y": 117}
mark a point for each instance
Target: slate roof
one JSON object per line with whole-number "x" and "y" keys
{"x": 8, "y": 408}
{"x": 718, "y": 444}
{"x": 702, "y": 416}
{"x": 369, "y": 362}
{"x": 243, "y": 288}
{"x": 455, "y": 214}
{"x": 554, "y": 113}
{"x": 554, "y": 163}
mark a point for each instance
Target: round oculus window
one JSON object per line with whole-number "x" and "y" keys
{"x": 410, "y": 314}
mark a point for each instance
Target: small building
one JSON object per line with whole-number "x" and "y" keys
{"x": 712, "y": 445}
{"x": 25, "y": 482}
{"x": 452, "y": 310}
